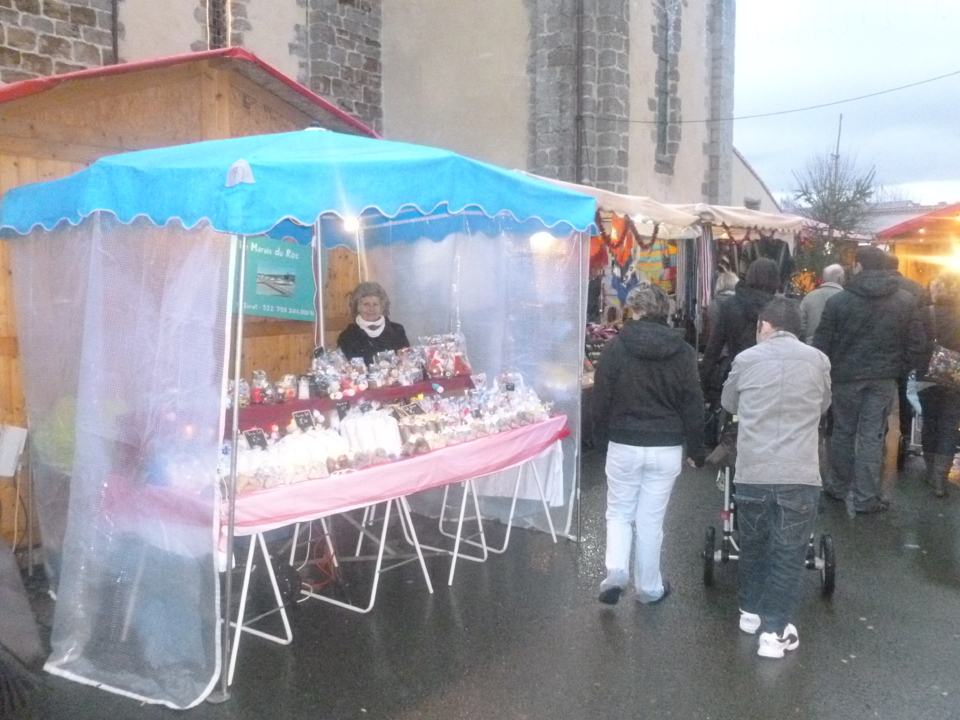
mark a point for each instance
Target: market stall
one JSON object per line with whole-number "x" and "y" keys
{"x": 926, "y": 243}
{"x": 127, "y": 275}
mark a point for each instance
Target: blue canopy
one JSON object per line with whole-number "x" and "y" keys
{"x": 249, "y": 185}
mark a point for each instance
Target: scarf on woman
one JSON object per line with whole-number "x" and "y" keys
{"x": 372, "y": 329}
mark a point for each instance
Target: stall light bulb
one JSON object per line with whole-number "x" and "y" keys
{"x": 541, "y": 242}
{"x": 351, "y": 224}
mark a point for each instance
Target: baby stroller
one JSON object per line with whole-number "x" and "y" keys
{"x": 820, "y": 556}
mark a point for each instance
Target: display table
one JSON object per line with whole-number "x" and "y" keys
{"x": 263, "y": 510}
{"x": 276, "y": 507}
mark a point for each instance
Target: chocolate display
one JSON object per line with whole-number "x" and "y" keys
{"x": 372, "y": 433}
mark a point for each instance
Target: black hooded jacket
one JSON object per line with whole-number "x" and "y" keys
{"x": 871, "y": 330}
{"x": 647, "y": 391}
{"x": 736, "y": 331}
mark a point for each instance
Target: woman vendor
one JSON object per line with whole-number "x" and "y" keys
{"x": 372, "y": 331}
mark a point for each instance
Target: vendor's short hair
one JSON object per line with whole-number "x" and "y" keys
{"x": 946, "y": 287}
{"x": 872, "y": 258}
{"x": 648, "y": 300}
{"x": 368, "y": 289}
{"x": 782, "y": 313}
{"x": 726, "y": 281}
{"x": 892, "y": 261}
{"x": 763, "y": 274}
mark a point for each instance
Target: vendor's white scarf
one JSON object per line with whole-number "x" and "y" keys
{"x": 373, "y": 329}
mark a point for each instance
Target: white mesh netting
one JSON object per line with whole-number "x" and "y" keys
{"x": 123, "y": 331}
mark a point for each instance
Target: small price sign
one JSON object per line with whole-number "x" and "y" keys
{"x": 304, "y": 420}
{"x": 256, "y": 438}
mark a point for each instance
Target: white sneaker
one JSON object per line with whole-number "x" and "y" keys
{"x": 773, "y": 645}
{"x": 749, "y": 622}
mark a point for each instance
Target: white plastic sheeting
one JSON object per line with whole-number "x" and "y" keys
{"x": 518, "y": 299}
{"x": 123, "y": 331}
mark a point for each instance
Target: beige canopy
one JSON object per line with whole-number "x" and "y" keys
{"x": 682, "y": 220}
{"x": 741, "y": 217}
{"x": 645, "y": 212}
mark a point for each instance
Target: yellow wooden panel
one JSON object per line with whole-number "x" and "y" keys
{"x": 9, "y": 347}
{"x": 28, "y": 170}
{"x": 145, "y": 109}
{"x": 8, "y": 318}
{"x": 13, "y": 510}
{"x": 278, "y": 355}
{"x": 17, "y": 414}
{"x": 9, "y": 172}
{"x": 255, "y": 111}
{"x": 342, "y": 278}
{"x": 50, "y": 169}
{"x": 214, "y": 94}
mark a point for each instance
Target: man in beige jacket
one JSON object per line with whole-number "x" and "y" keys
{"x": 779, "y": 389}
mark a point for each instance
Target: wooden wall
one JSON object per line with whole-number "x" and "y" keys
{"x": 62, "y": 130}
{"x": 17, "y": 170}
{"x": 341, "y": 278}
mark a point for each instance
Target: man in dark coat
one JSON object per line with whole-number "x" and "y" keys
{"x": 903, "y": 403}
{"x": 736, "y": 328}
{"x": 872, "y": 333}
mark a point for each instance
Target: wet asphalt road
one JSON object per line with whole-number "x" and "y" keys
{"x": 523, "y": 637}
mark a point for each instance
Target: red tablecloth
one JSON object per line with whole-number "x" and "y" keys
{"x": 267, "y": 509}
{"x": 263, "y": 416}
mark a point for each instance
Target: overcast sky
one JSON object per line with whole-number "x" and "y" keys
{"x": 796, "y": 54}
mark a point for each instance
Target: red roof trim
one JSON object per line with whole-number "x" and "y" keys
{"x": 25, "y": 88}
{"x": 948, "y": 212}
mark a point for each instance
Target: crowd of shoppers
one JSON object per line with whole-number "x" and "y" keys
{"x": 780, "y": 364}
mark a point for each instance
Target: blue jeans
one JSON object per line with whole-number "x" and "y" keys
{"x": 775, "y": 523}
{"x": 860, "y": 410}
{"x": 639, "y": 482}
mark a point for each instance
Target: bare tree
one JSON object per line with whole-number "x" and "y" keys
{"x": 835, "y": 191}
{"x": 892, "y": 194}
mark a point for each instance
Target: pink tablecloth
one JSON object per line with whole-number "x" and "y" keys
{"x": 287, "y": 504}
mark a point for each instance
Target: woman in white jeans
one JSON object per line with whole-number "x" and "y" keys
{"x": 648, "y": 405}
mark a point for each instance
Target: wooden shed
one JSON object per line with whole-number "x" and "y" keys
{"x": 52, "y": 127}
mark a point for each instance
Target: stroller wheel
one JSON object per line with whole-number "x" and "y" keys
{"x": 828, "y": 567}
{"x": 708, "y": 556}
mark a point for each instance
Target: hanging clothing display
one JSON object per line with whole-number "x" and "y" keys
{"x": 773, "y": 248}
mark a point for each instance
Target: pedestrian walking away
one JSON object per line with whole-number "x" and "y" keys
{"x": 941, "y": 403}
{"x": 872, "y": 333}
{"x": 648, "y": 405}
{"x": 779, "y": 389}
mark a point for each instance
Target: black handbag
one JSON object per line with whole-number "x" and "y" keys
{"x": 944, "y": 367}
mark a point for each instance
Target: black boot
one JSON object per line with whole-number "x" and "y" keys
{"x": 939, "y": 471}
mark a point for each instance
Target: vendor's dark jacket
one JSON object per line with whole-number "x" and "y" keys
{"x": 356, "y": 343}
{"x": 736, "y": 331}
{"x": 871, "y": 330}
{"x": 647, "y": 391}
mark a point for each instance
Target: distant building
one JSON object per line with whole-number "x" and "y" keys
{"x": 749, "y": 190}
{"x": 885, "y": 215}
{"x": 601, "y": 92}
